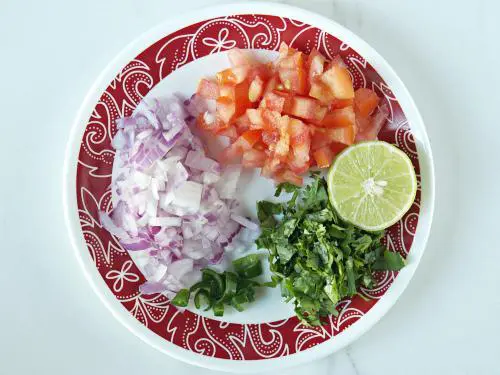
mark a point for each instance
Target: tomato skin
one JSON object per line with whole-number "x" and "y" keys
{"x": 339, "y": 118}
{"x": 323, "y": 157}
{"x": 337, "y": 147}
{"x": 365, "y": 102}
{"x": 208, "y": 89}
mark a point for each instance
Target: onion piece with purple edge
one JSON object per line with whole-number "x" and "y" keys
{"x": 171, "y": 201}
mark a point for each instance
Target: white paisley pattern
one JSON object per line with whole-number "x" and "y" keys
{"x": 202, "y": 335}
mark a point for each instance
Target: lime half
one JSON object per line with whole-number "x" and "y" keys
{"x": 372, "y": 185}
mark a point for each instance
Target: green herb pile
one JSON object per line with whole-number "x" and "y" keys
{"x": 317, "y": 258}
{"x": 215, "y": 290}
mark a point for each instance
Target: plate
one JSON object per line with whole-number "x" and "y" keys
{"x": 171, "y": 58}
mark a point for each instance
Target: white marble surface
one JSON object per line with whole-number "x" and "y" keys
{"x": 447, "y": 53}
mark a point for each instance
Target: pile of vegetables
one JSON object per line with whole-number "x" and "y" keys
{"x": 169, "y": 199}
{"x": 318, "y": 259}
{"x": 288, "y": 116}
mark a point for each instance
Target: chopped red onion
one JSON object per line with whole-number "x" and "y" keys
{"x": 171, "y": 200}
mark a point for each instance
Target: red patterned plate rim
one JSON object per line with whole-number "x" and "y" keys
{"x": 236, "y": 357}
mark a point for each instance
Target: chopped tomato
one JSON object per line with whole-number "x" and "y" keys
{"x": 289, "y": 176}
{"x": 225, "y": 109}
{"x": 365, "y": 101}
{"x": 255, "y": 118}
{"x": 307, "y": 109}
{"x": 263, "y": 109}
{"x": 241, "y": 100}
{"x": 253, "y": 159}
{"x": 232, "y": 76}
{"x": 208, "y": 89}
{"x": 292, "y": 74}
{"x": 319, "y": 138}
{"x": 321, "y": 92}
{"x": 323, "y": 157}
{"x": 338, "y": 80}
{"x": 315, "y": 62}
{"x": 273, "y": 101}
{"x": 271, "y": 85}
{"x": 337, "y": 147}
{"x": 299, "y": 132}
{"x": 229, "y": 132}
{"x": 270, "y": 137}
{"x": 339, "y": 118}
{"x": 271, "y": 119}
{"x": 242, "y": 123}
{"x": 283, "y": 145}
{"x": 250, "y": 138}
{"x": 256, "y": 89}
{"x": 209, "y": 122}
{"x": 343, "y": 135}
{"x": 377, "y": 122}
{"x": 270, "y": 167}
{"x": 341, "y": 103}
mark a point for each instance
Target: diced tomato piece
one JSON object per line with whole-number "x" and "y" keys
{"x": 229, "y": 132}
{"x": 338, "y": 80}
{"x": 377, "y": 122}
{"x": 270, "y": 137}
{"x": 319, "y": 138}
{"x": 239, "y": 57}
{"x": 209, "y": 122}
{"x": 341, "y": 103}
{"x": 256, "y": 89}
{"x": 321, "y": 92}
{"x": 337, "y": 147}
{"x": 292, "y": 73}
{"x": 323, "y": 157}
{"x": 271, "y": 119}
{"x": 255, "y": 117}
{"x": 225, "y": 109}
{"x": 250, "y": 138}
{"x": 242, "y": 103}
{"x": 343, "y": 135}
{"x": 264, "y": 71}
{"x": 270, "y": 167}
{"x": 273, "y": 101}
{"x": 231, "y": 154}
{"x": 242, "y": 123}
{"x": 365, "y": 101}
{"x": 300, "y": 144}
{"x": 299, "y": 132}
{"x": 232, "y": 75}
{"x": 339, "y": 118}
{"x": 260, "y": 146}
{"x": 289, "y": 176}
{"x": 283, "y": 145}
{"x": 315, "y": 62}
{"x": 271, "y": 85}
{"x": 363, "y": 124}
{"x": 307, "y": 108}
{"x": 208, "y": 89}
{"x": 253, "y": 159}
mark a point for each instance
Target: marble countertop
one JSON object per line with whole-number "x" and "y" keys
{"x": 448, "y": 56}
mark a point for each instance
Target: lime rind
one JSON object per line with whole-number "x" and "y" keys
{"x": 372, "y": 185}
